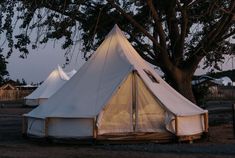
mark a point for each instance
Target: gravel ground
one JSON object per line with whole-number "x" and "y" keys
{"x": 218, "y": 143}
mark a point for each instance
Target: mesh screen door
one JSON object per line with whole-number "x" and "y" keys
{"x": 132, "y": 109}
{"x": 149, "y": 113}
{"x": 117, "y": 115}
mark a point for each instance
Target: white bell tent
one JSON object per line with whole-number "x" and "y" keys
{"x": 71, "y": 73}
{"x": 116, "y": 94}
{"x": 54, "y": 81}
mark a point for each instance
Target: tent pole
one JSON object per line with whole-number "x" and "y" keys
{"x": 46, "y": 126}
{"x": 134, "y": 110}
{"x": 206, "y": 121}
{"x": 176, "y": 125}
{"x": 94, "y": 128}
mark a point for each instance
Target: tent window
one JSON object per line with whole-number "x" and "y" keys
{"x": 150, "y": 75}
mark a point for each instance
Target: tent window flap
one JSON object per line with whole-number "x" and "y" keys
{"x": 151, "y": 77}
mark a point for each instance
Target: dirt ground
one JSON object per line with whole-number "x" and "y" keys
{"x": 218, "y": 143}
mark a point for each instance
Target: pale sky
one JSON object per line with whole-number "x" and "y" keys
{"x": 228, "y": 64}
{"x": 39, "y": 63}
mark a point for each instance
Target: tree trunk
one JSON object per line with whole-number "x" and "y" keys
{"x": 181, "y": 81}
{"x": 184, "y": 87}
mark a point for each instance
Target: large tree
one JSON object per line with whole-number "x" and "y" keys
{"x": 174, "y": 35}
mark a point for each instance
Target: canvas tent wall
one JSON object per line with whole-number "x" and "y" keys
{"x": 54, "y": 81}
{"x": 116, "y": 93}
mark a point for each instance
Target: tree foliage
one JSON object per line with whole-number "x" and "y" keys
{"x": 3, "y": 68}
{"x": 174, "y": 35}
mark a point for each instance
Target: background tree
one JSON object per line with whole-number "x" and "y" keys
{"x": 174, "y": 35}
{"x": 18, "y": 82}
{"x": 3, "y": 69}
{"x": 23, "y": 82}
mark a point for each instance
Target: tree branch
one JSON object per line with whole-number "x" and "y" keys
{"x": 213, "y": 36}
{"x": 128, "y": 17}
{"x": 174, "y": 35}
{"x": 157, "y": 23}
{"x": 222, "y": 26}
{"x": 163, "y": 55}
{"x": 227, "y": 35}
{"x": 184, "y": 28}
{"x": 52, "y": 6}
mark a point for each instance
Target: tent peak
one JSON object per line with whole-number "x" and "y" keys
{"x": 115, "y": 30}
{"x": 116, "y": 27}
{"x": 62, "y": 74}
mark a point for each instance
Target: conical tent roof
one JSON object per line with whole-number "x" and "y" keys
{"x": 54, "y": 81}
{"x": 71, "y": 73}
{"x": 86, "y": 94}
